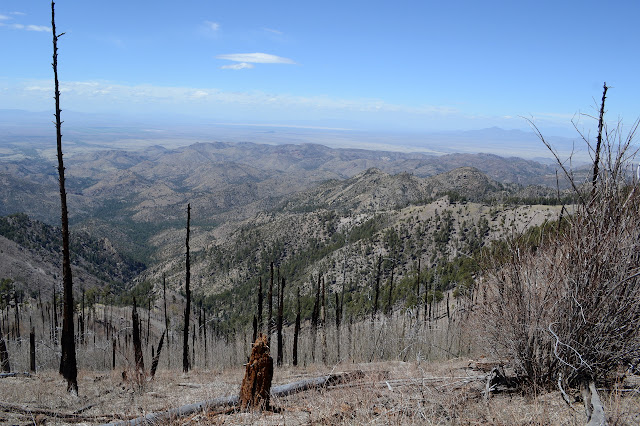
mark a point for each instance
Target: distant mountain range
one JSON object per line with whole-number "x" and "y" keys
{"x": 127, "y": 132}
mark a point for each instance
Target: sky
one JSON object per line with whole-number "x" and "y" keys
{"x": 368, "y": 65}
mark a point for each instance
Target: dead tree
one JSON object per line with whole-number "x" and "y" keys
{"x": 279, "y": 324}
{"x": 17, "y": 313}
{"x": 259, "y": 306}
{"x": 256, "y": 385}
{"x": 389, "y": 308}
{"x": 187, "y": 310}
{"x": 296, "y": 330}
{"x": 596, "y": 160}
{"x": 5, "y": 367}
{"x": 156, "y": 358}
{"x": 68, "y": 366}
{"x": 54, "y": 320}
{"x": 323, "y": 324}
{"x": 338, "y": 320}
{"x": 418, "y": 292}
{"x": 374, "y": 312}
{"x": 137, "y": 341}
{"x": 148, "y": 319}
{"x": 82, "y": 320}
{"x": 315, "y": 314}
{"x": 204, "y": 325}
{"x": 270, "y": 305}
{"x": 166, "y": 318}
{"x": 32, "y": 350}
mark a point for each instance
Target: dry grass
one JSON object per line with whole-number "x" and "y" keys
{"x": 445, "y": 392}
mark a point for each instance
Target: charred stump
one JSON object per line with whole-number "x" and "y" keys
{"x": 5, "y": 367}
{"x": 256, "y": 385}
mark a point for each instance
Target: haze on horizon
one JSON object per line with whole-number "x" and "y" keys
{"x": 374, "y": 66}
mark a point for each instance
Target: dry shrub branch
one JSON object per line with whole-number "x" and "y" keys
{"x": 565, "y": 308}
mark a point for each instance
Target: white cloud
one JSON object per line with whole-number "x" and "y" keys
{"x": 4, "y": 17}
{"x": 238, "y": 66}
{"x": 39, "y": 28}
{"x": 98, "y": 95}
{"x": 199, "y": 94}
{"x": 271, "y": 30}
{"x": 213, "y": 26}
{"x": 256, "y": 58}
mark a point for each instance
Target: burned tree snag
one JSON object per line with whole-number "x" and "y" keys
{"x": 255, "y": 328}
{"x": 270, "y": 305}
{"x": 166, "y": 318}
{"x": 256, "y": 385}
{"x": 279, "y": 324}
{"x": 54, "y": 321}
{"x": 68, "y": 366}
{"x": 596, "y": 160}
{"x": 82, "y": 326}
{"x": 389, "y": 308}
{"x": 156, "y": 358}
{"x": 338, "y": 319}
{"x": 137, "y": 341}
{"x": 187, "y": 310}
{"x": 418, "y": 292}
{"x": 315, "y": 314}
{"x": 296, "y": 330}
{"x": 323, "y": 324}
{"x": 4, "y": 355}
{"x": 376, "y": 290}
{"x": 32, "y": 350}
{"x": 259, "y": 306}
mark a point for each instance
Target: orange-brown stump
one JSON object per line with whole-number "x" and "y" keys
{"x": 256, "y": 385}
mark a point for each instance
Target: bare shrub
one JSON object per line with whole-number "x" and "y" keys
{"x": 564, "y": 307}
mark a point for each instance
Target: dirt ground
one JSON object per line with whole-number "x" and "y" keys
{"x": 444, "y": 393}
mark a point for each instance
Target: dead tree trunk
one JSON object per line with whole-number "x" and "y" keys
{"x": 296, "y": 330}
{"x": 204, "y": 332}
{"x": 32, "y": 350}
{"x": 17, "y": 312}
{"x": 156, "y": 358}
{"x": 4, "y": 355}
{"x": 596, "y": 160}
{"x": 389, "y": 308}
{"x": 270, "y": 306}
{"x": 323, "y": 324}
{"x": 280, "y": 356}
{"x": 148, "y": 319}
{"x": 338, "y": 319}
{"x": 418, "y": 294}
{"x": 259, "y": 306}
{"x": 376, "y": 290}
{"x": 68, "y": 366}
{"x": 137, "y": 342}
{"x": 166, "y": 319}
{"x": 82, "y": 326}
{"x": 256, "y": 385}
{"x": 54, "y": 320}
{"x": 187, "y": 310}
{"x": 315, "y": 314}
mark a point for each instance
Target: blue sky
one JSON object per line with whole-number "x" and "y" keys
{"x": 402, "y": 65}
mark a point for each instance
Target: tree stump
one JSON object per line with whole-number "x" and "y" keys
{"x": 256, "y": 385}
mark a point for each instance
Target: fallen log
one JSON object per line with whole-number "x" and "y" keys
{"x": 5, "y": 375}
{"x": 75, "y": 417}
{"x": 277, "y": 391}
